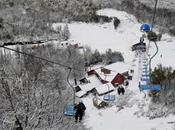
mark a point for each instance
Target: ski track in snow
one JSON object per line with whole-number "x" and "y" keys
{"x": 102, "y": 37}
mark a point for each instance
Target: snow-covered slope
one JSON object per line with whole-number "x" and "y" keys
{"x": 103, "y": 36}
{"x": 127, "y": 112}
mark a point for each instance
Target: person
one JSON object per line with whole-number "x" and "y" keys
{"x": 139, "y": 87}
{"x": 80, "y": 109}
{"x": 121, "y": 90}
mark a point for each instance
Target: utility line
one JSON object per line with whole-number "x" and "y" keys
{"x": 37, "y": 57}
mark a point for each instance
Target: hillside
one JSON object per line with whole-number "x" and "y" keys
{"x": 143, "y": 10}
{"x": 36, "y": 83}
{"x": 135, "y": 115}
{"x": 169, "y": 4}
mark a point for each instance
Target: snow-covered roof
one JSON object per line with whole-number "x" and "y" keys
{"x": 115, "y": 68}
{"x": 94, "y": 82}
{"x": 121, "y": 39}
{"x": 104, "y": 88}
{"x": 81, "y": 93}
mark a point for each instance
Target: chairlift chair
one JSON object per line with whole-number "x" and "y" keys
{"x": 69, "y": 110}
{"x": 150, "y": 87}
{"x": 109, "y": 97}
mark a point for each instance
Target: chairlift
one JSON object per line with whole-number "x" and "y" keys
{"x": 144, "y": 71}
{"x": 141, "y": 46}
{"x": 152, "y": 36}
{"x": 109, "y": 97}
{"x": 69, "y": 110}
{"x": 144, "y": 65}
{"x": 145, "y": 79}
{"x": 145, "y": 75}
{"x": 150, "y": 87}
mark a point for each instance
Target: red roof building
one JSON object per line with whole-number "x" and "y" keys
{"x": 118, "y": 79}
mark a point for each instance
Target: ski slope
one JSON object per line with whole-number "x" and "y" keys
{"x": 104, "y": 36}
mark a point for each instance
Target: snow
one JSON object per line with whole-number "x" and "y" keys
{"x": 115, "y": 69}
{"x": 80, "y": 93}
{"x": 127, "y": 111}
{"x": 94, "y": 82}
{"x": 102, "y": 89}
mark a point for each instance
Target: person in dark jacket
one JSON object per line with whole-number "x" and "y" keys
{"x": 121, "y": 90}
{"x": 80, "y": 109}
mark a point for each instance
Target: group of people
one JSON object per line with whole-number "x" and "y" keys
{"x": 121, "y": 90}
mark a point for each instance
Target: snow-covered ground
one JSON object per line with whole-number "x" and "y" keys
{"x": 104, "y": 36}
{"x": 126, "y": 114}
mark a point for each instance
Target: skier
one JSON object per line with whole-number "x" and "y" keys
{"x": 80, "y": 109}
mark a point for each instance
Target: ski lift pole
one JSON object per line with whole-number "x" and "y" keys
{"x": 157, "y": 49}
{"x": 70, "y": 69}
{"x": 154, "y": 15}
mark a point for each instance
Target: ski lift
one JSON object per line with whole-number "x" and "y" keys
{"x": 144, "y": 71}
{"x": 109, "y": 97}
{"x": 152, "y": 36}
{"x": 141, "y": 46}
{"x": 69, "y": 110}
{"x": 145, "y": 79}
{"x": 144, "y": 64}
{"x": 145, "y": 75}
{"x": 145, "y": 27}
{"x": 150, "y": 87}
